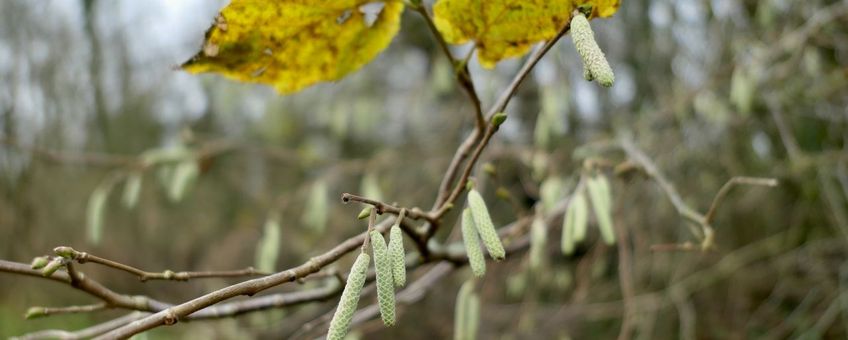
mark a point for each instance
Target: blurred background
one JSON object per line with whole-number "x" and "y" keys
{"x": 91, "y": 101}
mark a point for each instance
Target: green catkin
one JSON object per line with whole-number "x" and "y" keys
{"x": 472, "y": 244}
{"x": 350, "y": 298}
{"x": 473, "y": 318}
{"x": 397, "y": 256}
{"x": 466, "y": 313}
{"x": 132, "y": 188}
{"x": 538, "y": 238}
{"x": 594, "y": 61}
{"x": 581, "y": 214}
{"x": 94, "y": 213}
{"x": 599, "y": 195}
{"x": 485, "y": 226}
{"x": 385, "y": 282}
{"x": 574, "y": 223}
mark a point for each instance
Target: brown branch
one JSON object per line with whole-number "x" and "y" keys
{"x": 463, "y": 77}
{"x": 171, "y": 315}
{"x": 670, "y": 191}
{"x": 37, "y": 312}
{"x": 89, "y": 286}
{"x": 446, "y": 196}
{"x": 84, "y": 333}
{"x": 725, "y": 189}
{"x": 83, "y": 257}
{"x": 381, "y": 208}
{"x": 706, "y": 234}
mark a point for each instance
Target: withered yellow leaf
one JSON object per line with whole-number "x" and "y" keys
{"x": 508, "y": 28}
{"x": 292, "y": 44}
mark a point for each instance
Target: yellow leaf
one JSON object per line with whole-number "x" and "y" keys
{"x": 293, "y": 44}
{"x": 508, "y": 28}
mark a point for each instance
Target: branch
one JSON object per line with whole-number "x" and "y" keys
{"x": 725, "y": 189}
{"x": 446, "y": 196}
{"x": 84, "y": 333}
{"x": 173, "y": 314}
{"x": 706, "y": 234}
{"x": 83, "y": 257}
{"x": 381, "y": 207}
{"x": 37, "y": 312}
{"x": 463, "y": 77}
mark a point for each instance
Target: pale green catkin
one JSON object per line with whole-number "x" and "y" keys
{"x": 473, "y": 318}
{"x": 581, "y": 216}
{"x": 385, "y": 282}
{"x": 94, "y": 213}
{"x": 574, "y": 223}
{"x": 594, "y": 61}
{"x": 538, "y": 238}
{"x": 485, "y": 226}
{"x": 466, "y": 313}
{"x": 472, "y": 244}
{"x": 132, "y": 188}
{"x": 397, "y": 256}
{"x": 599, "y": 194}
{"x": 350, "y": 298}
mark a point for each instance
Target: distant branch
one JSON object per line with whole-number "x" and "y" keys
{"x": 706, "y": 234}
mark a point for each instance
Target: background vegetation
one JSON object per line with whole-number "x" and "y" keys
{"x": 707, "y": 89}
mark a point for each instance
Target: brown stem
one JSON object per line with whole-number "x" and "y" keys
{"x": 381, "y": 207}
{"x": 83, "y": 257}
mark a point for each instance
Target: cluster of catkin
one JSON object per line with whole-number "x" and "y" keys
{"x": 476, "y": 226}
{"x": 391, "y": 271}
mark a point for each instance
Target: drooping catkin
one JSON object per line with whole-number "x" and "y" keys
{"x": 567, "y": 241}
{"x": 472, "y": 244}
{"x": 132, "y": 188}
{"x": 385, "y": 282}
{"x": 397, "y": 255}
{"x": 581, "y": 214}
{"x": 594, "y": 61}
{"x": 466, "y": 313}
{"x": 485, "y": 226}
{"x": 350, "y": 298}
{"x": 599, "y": 194}
{"x": 538, "y": 238}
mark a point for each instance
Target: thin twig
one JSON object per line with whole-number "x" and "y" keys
{"x": 83, "y": 257}
{"x": 382, "y": 207}
{"x": 725, "y": 189}
{"x": 37, "y": 312}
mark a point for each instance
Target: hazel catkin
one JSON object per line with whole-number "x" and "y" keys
{"x": 350, "y": 298}
{"x": 385, "y": 282}
{"x": 485, "y": 226}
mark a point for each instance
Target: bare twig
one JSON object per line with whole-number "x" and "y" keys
{"x": 725, "y": 189}
{"x": 83, "y": 257}
{"x": 37, "y": 312}
{"x": 381, "y": 207}
{"x": 463, "y": 77}
{"x": 706, "y": 233}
